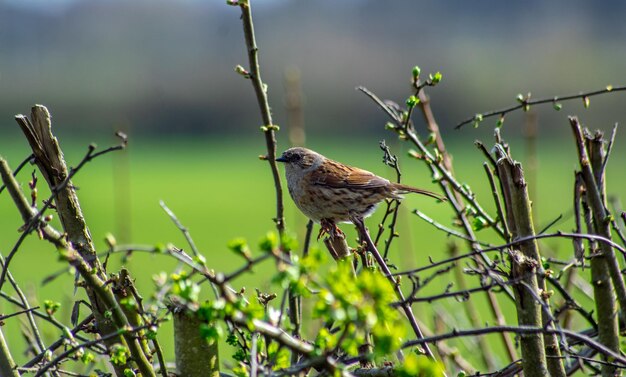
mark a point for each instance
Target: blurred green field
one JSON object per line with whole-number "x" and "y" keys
{"x": 220, "y": 190}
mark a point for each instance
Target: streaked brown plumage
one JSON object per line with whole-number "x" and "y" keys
{"x": 327, "y": 190}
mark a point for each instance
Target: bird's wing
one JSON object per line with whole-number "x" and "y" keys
{"x": 337, "y": 175}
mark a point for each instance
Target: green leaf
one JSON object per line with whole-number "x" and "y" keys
{"x": 211, "y": 332}
{"x": 269, "y": 242}
{"x": 290, "y": 242}
{"x": 360, "y": 305}
{"x": 118, "y": 354}
{"x": 231, "y": 339}
{"x": 129, "y": 303}
{"x": 87, "y": 358}
{"x": 419, "y": 365}
{"x": 241, "y": 370}
{"x": 479, "y": 223}
{"x": 280, "y": 355}
{"x": 185, "y": 288}
{"x": 240, "y": 247}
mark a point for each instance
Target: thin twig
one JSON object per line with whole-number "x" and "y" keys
{"x": 450, "y": 232}
{"x": 526, "y": 102}
{"x": 30, "y": 226}
{"x": 519, "y": 330}
{"x": 27, "y": 309}
{"x": 260, "y": 89}
{"x": 70, "y": 350}
{"x": 181, "y": 227}
{"x": 408, "y": 311}
{"x": 18, "y": 168}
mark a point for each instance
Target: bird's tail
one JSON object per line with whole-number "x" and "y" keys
{"x": 404, "y": 189}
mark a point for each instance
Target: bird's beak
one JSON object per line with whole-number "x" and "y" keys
{"x": 281, "y": 159}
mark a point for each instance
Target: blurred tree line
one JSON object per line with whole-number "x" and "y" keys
{"x": 166, "y": 67}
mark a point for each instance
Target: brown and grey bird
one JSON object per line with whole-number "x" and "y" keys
{"x": 329, "y": 191}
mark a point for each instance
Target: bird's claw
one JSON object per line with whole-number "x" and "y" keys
{"x": 329, "y": 227}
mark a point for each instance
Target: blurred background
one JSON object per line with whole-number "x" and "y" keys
{"x": 166, "y": 67}
{"x": 163, "y": 72}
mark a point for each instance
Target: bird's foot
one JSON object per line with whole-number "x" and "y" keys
{"x": 329, "y": 227}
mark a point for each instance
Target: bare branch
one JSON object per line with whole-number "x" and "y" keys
{"x": 525, "y": 103}
{"x": 522, "y": 330}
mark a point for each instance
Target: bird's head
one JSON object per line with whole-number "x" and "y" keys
{"x": 300, "y": 159}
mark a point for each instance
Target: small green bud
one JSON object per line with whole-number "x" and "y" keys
{"x": 109, "y": 239}
{"x": 271, "y": 127}
{"x": 67, "y": 334}
{"x": 129, "y": 303}
{"x": 432, "y": 137}
{"x": 51, "y": 306}
{"x": 520, "y": 98}
{"x": 412, "y": 101}
{"x": 200, "y": 259}
{"x": 557, "y": 106}
{"x": 500, "y": 122}
{"x": 416, "y": 72}
{"x": 242, "y": 71}
{"x": 415, "y": 154}
{"x": 609, "y": 88}
{"x": 586, "y": 102}
{"x": 390, "y": 126}
{"x": 436, "y": 78}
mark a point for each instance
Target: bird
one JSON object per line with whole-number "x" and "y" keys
{"x": 330, "y": 192}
